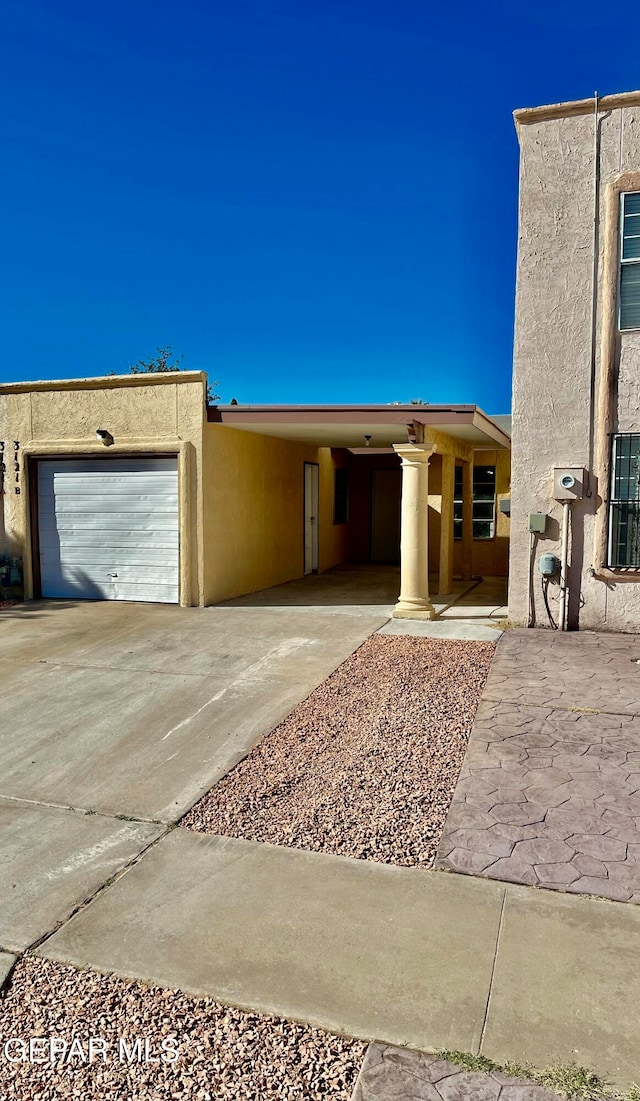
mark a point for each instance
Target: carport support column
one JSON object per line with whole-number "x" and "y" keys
{"x": 445, "y": 578}
{"x": 467, "y": 521}
{"x": 413, "y": 602}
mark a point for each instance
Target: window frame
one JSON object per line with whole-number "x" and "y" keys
{"x": 616, "y": 505}
{"x": 457, "y": 505}
{"x": 476, "y": 500}
{"x": 624, "y": 262}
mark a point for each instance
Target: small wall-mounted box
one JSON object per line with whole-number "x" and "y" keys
{"x": 568, "y": 483}
{"x": 504, "y": 506}
{"x": 549, "y": 565}
{"x": 537, "y": 522}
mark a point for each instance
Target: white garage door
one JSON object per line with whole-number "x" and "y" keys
{"x": 108, "y": 529}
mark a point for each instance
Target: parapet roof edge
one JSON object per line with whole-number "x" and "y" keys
{"x": 525, "y": 115}
{"x": 100, "y": 382}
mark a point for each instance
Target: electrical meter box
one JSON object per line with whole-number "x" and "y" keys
{"x": 569, "y": 483}
{"x": 537, "y": 522}
{"x": 549, "y": 565}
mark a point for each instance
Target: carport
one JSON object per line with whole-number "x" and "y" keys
{"x": 396, "y": 492}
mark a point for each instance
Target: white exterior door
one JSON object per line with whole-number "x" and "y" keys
{"x": 311, "y": 506}
{"x": 108, "y": 529}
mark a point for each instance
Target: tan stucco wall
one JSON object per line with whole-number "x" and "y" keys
{"x": 253, "y": 506}
{"x": 151, "y": 415}
{"x": 552, "y": 355}
{"x": 333, "y": 538}
{"x": 435, "y": 510}
{"x": 490, "y": 557}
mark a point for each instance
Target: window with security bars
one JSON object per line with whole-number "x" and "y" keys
{"x": 629, "y": 307}
{"x": 484, "y": 502}
{"x": 624, "y": 504}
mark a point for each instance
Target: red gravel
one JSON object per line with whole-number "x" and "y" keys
{"x": 367, "y": 765}
{"x": 222, "y": 1053}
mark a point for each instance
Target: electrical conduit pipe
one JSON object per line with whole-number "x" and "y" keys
{"x": 564, "y": 555}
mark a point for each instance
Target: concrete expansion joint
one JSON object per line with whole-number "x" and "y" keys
{"x": 525, "y": 888}
{"x": 115, "y": 668}
{"x": 35, "y": 944}
{"x": 493, "y": 971}
{"x": 82, "y": 810}
{"x": 7, "y": 965}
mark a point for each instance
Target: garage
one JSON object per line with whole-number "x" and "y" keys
{"x": 108, "y": 529}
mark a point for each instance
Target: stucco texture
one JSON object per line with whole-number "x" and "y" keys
{"x": 489, "y": 557}
{"x": 159, "y": 414}
{"x": 253, "y": 508}
{"x": 553, "y": 420}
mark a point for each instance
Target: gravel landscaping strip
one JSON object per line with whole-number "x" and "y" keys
{"x": 367, "y": 765}
{"x": 222, "y": 1052}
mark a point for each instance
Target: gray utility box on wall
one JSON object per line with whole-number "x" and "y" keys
{"x": 549, "y": 565}
{"x": 537, "y": 522}
{"x": 568, "y": 483}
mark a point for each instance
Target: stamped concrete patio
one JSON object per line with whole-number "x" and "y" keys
{"x": 549, "y": 793}
{"x": 395, "y": 1074}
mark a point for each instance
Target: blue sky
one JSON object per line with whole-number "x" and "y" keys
{"x": 311, "y": 201}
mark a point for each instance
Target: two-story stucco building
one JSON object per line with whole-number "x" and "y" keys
{"x": 576, "y": 387}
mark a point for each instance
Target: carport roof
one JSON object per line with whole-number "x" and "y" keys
{"x": 347, "y": 425}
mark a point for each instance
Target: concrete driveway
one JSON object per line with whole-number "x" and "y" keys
{"x": 115, "y": 718}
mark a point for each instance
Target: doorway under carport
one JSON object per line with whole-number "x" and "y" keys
{"x": 387, "y": 484}
{"x": 375, "y": 487}
{"x": 373, "y": 517}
